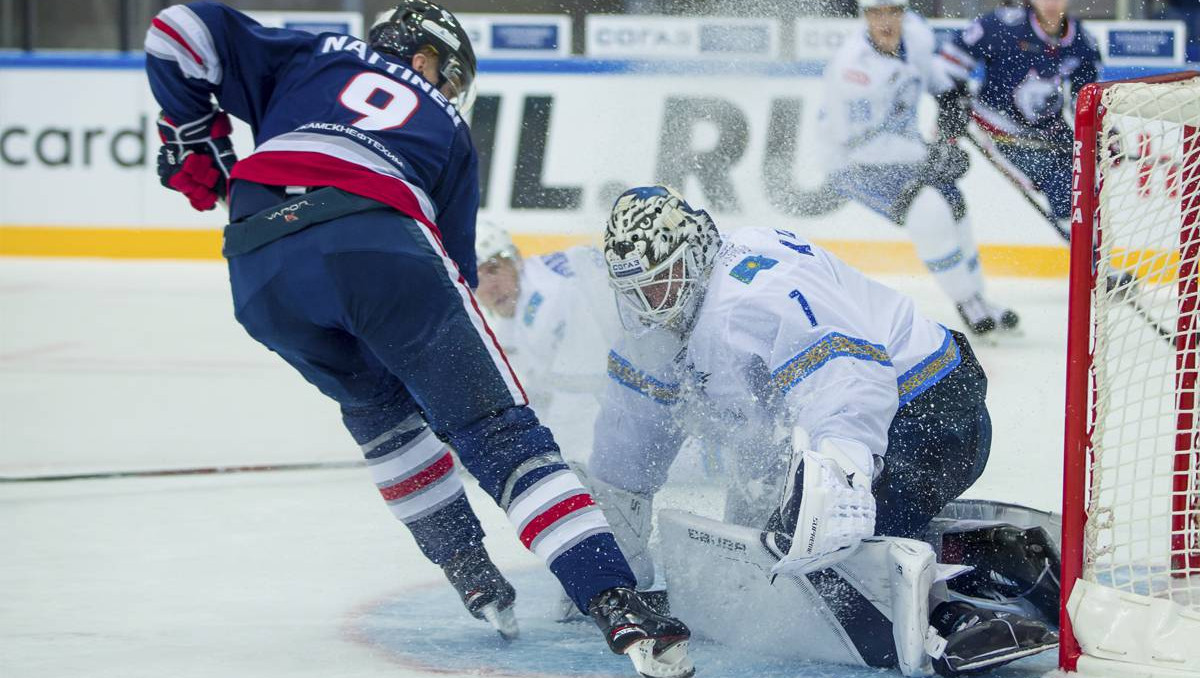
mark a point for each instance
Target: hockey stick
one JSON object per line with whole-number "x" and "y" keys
{"x": 192, "y": 471}
{"x": 1125, "y": 283}
{"x": 1024, "y": 186}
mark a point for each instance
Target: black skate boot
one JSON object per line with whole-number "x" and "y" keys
{"x": 1011, "y": 565}
{"x": 983, "y": 318}
{"x": 978, "y": 640}
{"x": 484, "y": 591}
{"x": 976, "y": 316}
{"x": 657, "y": 644}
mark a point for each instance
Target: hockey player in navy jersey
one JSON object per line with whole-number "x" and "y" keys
{"x": 865, "y": 415}
{"x": 351, "y": 255}
{"x": 1029, "y": 55}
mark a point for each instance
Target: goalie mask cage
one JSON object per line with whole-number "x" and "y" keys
{"x": 1131, "y": 500}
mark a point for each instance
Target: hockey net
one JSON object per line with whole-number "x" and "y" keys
{"x": 1131, "y": 532}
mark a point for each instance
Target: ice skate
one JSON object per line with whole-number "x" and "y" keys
{"x": 485, "y": 592}
{"x": 1012, "y": 566}
{"x": 978, "y": 640}
{"x": 985, "y": 320}
{"x": 657, "y": 644}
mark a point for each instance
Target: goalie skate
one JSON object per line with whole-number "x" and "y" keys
{"x": 978, "y": 640}
{"x": 657, "y": 644}
{"x": 1011, "y": 566}
{"x": 485, "y": 592}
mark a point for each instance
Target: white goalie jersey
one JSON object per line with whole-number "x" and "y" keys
{"x": 787, "y": 336}
{"x": 870, "y": 111}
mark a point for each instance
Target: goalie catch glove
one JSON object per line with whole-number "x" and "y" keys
{"x": 836, "y": 507}
{"x": 196, "y": 158}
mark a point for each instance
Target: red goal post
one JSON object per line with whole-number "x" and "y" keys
{"x": 1131, "y": 484}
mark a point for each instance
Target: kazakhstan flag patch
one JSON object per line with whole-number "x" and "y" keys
{"x": 750, "y": 266}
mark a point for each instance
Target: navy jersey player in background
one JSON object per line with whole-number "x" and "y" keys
{"x": 351, "y": 255}
{"x": 1029, "y": 54}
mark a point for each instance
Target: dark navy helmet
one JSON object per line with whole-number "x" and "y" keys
{"x": 416, "y": 24}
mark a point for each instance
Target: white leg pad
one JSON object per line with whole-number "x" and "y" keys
{"x": 631, "y": 517}
{"x": 912, "y": 568}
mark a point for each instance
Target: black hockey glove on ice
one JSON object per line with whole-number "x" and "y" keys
{"x": 196, "y": 158}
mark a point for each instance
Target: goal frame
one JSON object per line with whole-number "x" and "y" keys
{"x": 1082, "y": 277}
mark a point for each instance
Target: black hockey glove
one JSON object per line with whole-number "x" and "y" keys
{"x": 954, "y": 111}
{"x": 196, "y": 158}
{"x": 945, "y": 163}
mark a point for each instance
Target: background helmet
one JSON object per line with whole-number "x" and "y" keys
{"x": 492, "y": 242}
{"x": 650, "y": 231}
{"x": 419, "y": 23}
{"x": 868, "y": 4}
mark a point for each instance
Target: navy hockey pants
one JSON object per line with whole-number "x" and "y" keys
{"x": 938, "y": 446}
{"x": 369, "y": 311}
{"x": 885, "y": 189}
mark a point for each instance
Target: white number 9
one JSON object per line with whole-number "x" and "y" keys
{"x": 383, "y": 102}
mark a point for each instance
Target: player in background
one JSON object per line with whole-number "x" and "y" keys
{"x": 756, "y": 336}
{"x": 554, "y": 316}
{"x": 1029, "y": 54}
{"x": 876, "y": 155}
{"x": 351, "y": 255}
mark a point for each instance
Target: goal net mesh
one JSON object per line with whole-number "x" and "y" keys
{"x": 1143, "y": 513}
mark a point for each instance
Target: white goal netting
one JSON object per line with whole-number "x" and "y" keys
{"x": 1143, "y": 509}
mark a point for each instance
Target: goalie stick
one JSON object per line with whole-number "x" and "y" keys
{"x": 1127, "y": 282}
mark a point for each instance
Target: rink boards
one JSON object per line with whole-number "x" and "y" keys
{"x": 557, "y": 140}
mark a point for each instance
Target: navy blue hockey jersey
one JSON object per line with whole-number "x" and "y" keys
{"x": 325, "y": 110}
{"x": 1024, "y": 71}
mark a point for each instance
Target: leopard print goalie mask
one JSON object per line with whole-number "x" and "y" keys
{"x": 659, "y": 251}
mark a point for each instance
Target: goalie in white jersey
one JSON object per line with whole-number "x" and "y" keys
{"x": 876, "y": 155}
{"x": 812, "y": 376}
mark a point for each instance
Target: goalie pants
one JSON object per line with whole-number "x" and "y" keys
{"x": 369, "y": 309}
{"x": 938, "y": 446}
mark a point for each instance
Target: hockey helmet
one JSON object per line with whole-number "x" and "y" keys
{"x": 871, "y": 4}
{"x": 659, "y": 251}
{"x": 493, "y": 242}
{"x": 415, "y": 24}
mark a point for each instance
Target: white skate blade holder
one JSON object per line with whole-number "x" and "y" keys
{"x": 504, "y": 621}
{"x": 673, "y": 662}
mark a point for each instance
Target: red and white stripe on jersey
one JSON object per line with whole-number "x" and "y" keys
{"x": 554, "y": 514}
{"x": 312, "y": 159}
{"x": 178, "y": 35}
{"x": 418, "y": 478}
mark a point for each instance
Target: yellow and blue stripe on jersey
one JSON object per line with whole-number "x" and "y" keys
{"x": 624, "y": 373}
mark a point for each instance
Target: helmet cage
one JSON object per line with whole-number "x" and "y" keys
{"x": 679, "y": 285}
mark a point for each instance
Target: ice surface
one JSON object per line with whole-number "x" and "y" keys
{"x": 107, "y": 365}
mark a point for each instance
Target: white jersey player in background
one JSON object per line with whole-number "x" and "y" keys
{"x": 555, "y": 318}
{"x": 875, "y": 153}
{"x": 867, "y": 417}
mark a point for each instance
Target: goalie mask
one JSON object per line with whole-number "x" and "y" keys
{"x": 659, "y": 252}
{"x": 415, "y": 24}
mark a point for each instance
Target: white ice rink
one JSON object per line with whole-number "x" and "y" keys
{"x": 107, "y": 366}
